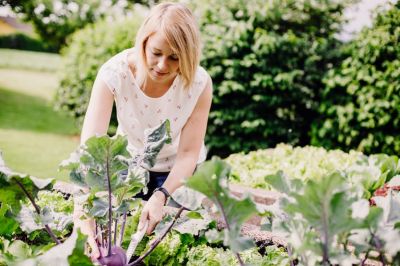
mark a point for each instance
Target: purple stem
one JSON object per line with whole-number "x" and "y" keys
{"x": 109, "y": 206}
{"x": 48, "y": 229}
{"x": 241, "y": 263}
{"x": 155, "y": 243}
{"x": 115, "y": 231}
{"x": 121, "y": 236}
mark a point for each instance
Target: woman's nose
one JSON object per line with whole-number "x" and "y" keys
{"x": 162, "y": 63}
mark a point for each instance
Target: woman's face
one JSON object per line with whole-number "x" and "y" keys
{"x": 163, "y": 63}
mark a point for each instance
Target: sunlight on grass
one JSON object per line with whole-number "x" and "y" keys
{"x": 34, "y": 138}
{"x": 29, "y": 60}
{"x": 38, "y": 154}
{"x": 33, "y": 83}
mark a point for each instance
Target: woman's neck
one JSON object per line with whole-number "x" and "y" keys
{"x": 155, "y": 89}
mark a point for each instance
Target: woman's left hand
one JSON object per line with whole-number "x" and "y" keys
{"x": 152, "y": 211}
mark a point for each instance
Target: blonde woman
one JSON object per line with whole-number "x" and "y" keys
{"x": 160, "y": 78}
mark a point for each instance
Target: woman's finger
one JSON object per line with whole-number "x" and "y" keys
{"x": 152, "y": 224}
{"x": 143, "y": 218}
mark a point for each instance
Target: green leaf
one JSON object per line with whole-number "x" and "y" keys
{"x": 194, "y": 215}
{"x": 71, "y": 252}
{"x": 211, "y": 179}
{"x": 390, "y": 205}
{"x": 154, "y": 142}
{"x": 99, "y": 209}
{"x": 7, "y": 221}
{"x": 189, "y": 198}
{"x": 11, "y": 191}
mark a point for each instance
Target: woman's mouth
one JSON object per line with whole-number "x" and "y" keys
{"x": 160, "y": 74}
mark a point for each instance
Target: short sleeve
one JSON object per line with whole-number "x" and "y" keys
{"x": 109, "y": 75}
{"x": 200, "y": 80}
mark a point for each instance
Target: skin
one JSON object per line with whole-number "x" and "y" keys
{"x": 163, "y": 66}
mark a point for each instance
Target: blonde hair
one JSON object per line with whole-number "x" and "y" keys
{"x": 178, "y": 24}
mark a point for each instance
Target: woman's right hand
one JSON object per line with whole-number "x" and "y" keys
{"x": 87, "y": 227}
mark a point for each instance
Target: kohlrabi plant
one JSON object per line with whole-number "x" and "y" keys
{"x": 112, "y": 177}
{"x": 211, "y": 180}
{"x": 22, "y": 219}
{"x": 321, "y": 219}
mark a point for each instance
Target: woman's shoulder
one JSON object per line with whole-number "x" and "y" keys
{"x": 116, "y": 61}
{"x": 201, "y": 77}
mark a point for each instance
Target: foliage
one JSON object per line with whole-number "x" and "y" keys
{"x": 298, "y": 162}
{"x": 359, "y": 107}
{"x": 312, "y": 163}
{"x": 22, "y": 41}
{"x": 211, "y": 179}
{"x": 266, "y": 60}
{"x": 88, "y": 49}
{"x": 320, "y": 217}
{"x": 113, "y": 177}
{"x": 205, "y": 255}
{"x": 22, "y": 223}
{"x": 54, "y": 21}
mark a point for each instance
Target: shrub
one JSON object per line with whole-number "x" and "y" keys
{"x": 266, "y": 61}
{"x": 360, "y": 107}
{"x": 54, "y": 21}
{"x": 87, "y": 51}
{"x": 22, "y": 41}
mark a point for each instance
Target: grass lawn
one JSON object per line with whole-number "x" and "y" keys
{"x": 33, "y": 137}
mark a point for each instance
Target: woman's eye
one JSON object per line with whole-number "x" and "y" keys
{"x": 174, "y": 57}
{"x": 156, "y": 54}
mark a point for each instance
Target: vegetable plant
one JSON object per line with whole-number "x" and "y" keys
{"x": 112, "y": 177}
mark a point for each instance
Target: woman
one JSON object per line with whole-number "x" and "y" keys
{"x": 160, "y": 78}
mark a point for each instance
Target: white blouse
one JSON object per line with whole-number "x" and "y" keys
{"x": 137, "y": 112}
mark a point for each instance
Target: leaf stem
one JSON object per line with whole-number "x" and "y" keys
{"x": 109, "y": 205}
{"x": 158, "y": 240}
{"x": 115, "y": 231}
{"x": 289, "y": 251}
{"x": 121, "y": 233}
{"x": 48, "y": 229}
{"x": 241, "y": 263}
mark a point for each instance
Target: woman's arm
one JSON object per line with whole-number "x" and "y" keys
{"x": 191, "y": 140}
{"x": 98, "y": 114}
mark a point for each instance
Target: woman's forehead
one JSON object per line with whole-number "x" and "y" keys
{"x": 159, "y": 41}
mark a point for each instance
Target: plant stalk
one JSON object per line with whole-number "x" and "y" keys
{"x": 115, "y": 231}
{"x": 289, "y": 251}
{"x": 109, "y": 206}
{"x": 121, "y": 233}
{"x": 48, "y": 229}
{"x": 155, "y": 243}
{"x": 241, "y": 263}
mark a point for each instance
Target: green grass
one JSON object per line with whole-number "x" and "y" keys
{"x": 17, "y": 59}
{"x": 34, "y": 138}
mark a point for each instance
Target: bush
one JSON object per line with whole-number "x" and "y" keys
{"x": 22, "y": 41}
{"x": 360, "y": 107}
{"x": 87, "y": 51}
{"x": 266, "y": 62}
{"x": 55, "y": 21}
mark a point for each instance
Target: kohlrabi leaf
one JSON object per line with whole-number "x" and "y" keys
{"x": 8, "y": 223}
{"x": 391, "y": 207}
{"x": 71, "y": 252}
{"x": 15, "y": 186}
{"x": 188, "y": 198}
{"x": 187, "y": 224}
{"x": 211, "y": 179}
{"x": 155, "y": 139}
{"x": 100, "y": 208}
